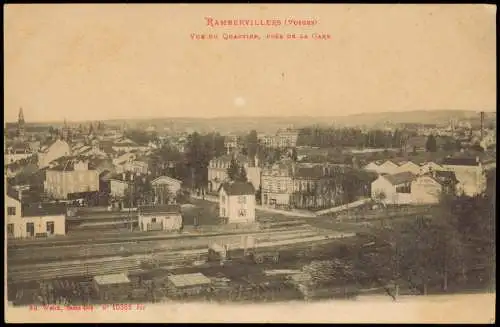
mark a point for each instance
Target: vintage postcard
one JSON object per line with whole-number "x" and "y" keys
{"x": 250, "y": 163}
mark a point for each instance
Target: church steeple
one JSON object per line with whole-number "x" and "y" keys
{"x": 20, "y": 123}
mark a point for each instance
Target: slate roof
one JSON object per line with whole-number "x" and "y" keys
{"x": 238, "y": 188}
{"x": 11, "y": 192}
{"x": 400, "y": 178}
{"x": 155, "y": 209}
{"x": 43, "y": 209}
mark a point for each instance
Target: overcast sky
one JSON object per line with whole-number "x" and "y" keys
{"x": 89, "y": 62}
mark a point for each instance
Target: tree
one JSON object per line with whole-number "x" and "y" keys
{"x": 258, "y": 195}
{"x": 252, "y": 143}
{"x": 431, "y": 144}
{"x": 236, "y": 172}
{"x": 242, "y": 175}
{"x": 233, "y": 170}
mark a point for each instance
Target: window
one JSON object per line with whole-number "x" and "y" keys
{"x": 223, "y": 212}
{"x": 30, "y": 229}
{"x": 153, "y": 220}
{"x": 11, "y": 211}
{"x": 50, "y": 227}
{"x": 223, "y": 199}
{"x": 242, "y": 213}
{"x": 242, "y": 199}
{"x": 10, "y": 229}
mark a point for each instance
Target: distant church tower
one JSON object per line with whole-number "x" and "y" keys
{"x": 20, "y": 123}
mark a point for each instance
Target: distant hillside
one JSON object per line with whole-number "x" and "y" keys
{"x": 271, "y": 124}
{"x": 417, "y": 117}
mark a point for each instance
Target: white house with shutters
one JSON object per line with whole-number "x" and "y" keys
{"x": 237, "y": 202}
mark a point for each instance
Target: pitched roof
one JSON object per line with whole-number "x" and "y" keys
{"x": 238, "y": 188}
{"x": 68, "y": 163}
{"x": 43, "y": 209}
{"x": 154, "y": 209}
{"x": 400, "y": 178}
{"x": 11, "y": 192}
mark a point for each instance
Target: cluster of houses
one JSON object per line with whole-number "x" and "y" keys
{"x": 408, "y": 182}
{"x": 72, "y": 171}
{"x": 284, "y": 184}
{"x": 284, "y": 138}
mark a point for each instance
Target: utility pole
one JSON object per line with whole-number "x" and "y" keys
{"x": 130, "y": 207}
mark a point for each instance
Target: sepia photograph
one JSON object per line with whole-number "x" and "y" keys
{"x": 250, "y": 163}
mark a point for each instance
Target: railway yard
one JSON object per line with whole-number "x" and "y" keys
{"x": 46, "y": 271}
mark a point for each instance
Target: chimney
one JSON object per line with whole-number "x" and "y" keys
{"x": 124, "y": 176}
{"x": 20, "y": 194}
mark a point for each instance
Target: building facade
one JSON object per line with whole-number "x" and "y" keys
{"x": 71, "y": 176}
{"x": 470, "y": 174}
{"x": 429, "y": 188}
{"x": 160, "y": 218}
{"x": 277, "y": 184}
{"x": 37, "y": 220}
{"x": 393, "y": 189}
{"x": 237, "y": 202}
{"x": 165, "y": 188}
{"x": 217, "y": 170}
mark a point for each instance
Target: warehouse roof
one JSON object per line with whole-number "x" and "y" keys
{"x": 112, "y": 279}
{"x": 187, "y": 280}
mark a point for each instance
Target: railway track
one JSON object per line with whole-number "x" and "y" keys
{"x": 113, "y": 237}
{"x": 101, "y": 267}
{"x": 97, "y": 251}
{"x": 113, "y": 264}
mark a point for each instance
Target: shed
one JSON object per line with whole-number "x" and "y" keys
{"x": 114, "y": 286}
{"x": 187, "y": 284}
